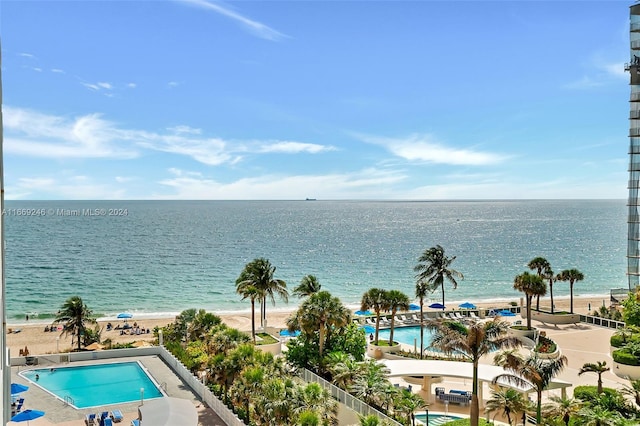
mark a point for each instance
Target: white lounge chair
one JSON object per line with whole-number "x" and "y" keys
{"x": 371, "y": 321}
{"x": 473, "y": 315}
{"x": 458, "y": 315}
{"x": 399, "y": 321}
{"x": 415, "y": 318}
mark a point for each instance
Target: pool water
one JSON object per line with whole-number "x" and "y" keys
{"x": 436, "y": 419}
{"x": 96, "y": 385}
{"x": 407, "y": 335}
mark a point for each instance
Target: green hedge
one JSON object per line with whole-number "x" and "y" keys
{"x": 590, "y": 393}
{"x": 622, "y": 356}
{"x": 617, "y": 341}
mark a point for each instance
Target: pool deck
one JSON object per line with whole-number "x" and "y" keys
{"x": 60, "y": 414}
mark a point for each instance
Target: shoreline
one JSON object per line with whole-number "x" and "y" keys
{"x": 38, "y": 342}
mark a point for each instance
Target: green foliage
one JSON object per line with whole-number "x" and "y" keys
{"x": 266, "y": 339}
{"x": 467, "y": 422}
{"x": 590, "y": 393}
{"x": 624, "y": 356}
{"x": 617, "y": 341}
{"x": 351, "y": 339}
{"x": 545, "y": 345}
{"x": 631, "y": 312}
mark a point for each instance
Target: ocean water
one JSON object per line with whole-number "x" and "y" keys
{"x": 156, "y": 258}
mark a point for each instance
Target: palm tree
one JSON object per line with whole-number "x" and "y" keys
{"x": 313, "y": 398}
{"x": 371, "y": 383}
{"x": 632, "y": 390}
{"x": 260, "y": 273}
{"x": 548, "y": 275}
{"x": 421, "y": 293}
{"x": 539, "y": 264}
{"x": 530, "y": 285}
{"x": 248, "y": 290}
{"x": 343, "y": 368}
{"x": 472, "y": 342}
{"x": 599, "y": 368}
{"x": 396, "y": 300}
{"x": 76, "y": 316}
{"x": 308, "y": 285}
{"x": 434, "y": 268}
{"x": 530, "y": 372}
{"x": 562, "y": 408}
{"x": 508, "y": 401}
{"x": 376, "y": 299}
{"x": 407, "y": 403}
{"x": 597, "y": 415}
{"x": 320, "y": 313}
{"x": 571, "y": 275}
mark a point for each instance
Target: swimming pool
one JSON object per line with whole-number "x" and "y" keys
{"x": 407, "y": 335}
{"x": 95, "y": 385}
{"x": 437, "y": 419}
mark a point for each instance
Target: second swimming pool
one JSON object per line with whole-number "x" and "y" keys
{"x": 96, "y": 385}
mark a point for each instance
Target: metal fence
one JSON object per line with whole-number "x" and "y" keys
{"x": 346, "y": 398}
{"x": 602, "y": 322}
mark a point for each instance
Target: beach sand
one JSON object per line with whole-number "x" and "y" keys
{"x": 38, "y": 342}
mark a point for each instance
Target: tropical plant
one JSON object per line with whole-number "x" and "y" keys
{"x": 396, "y": 300}
{"x": 407, "y": 403}
{"x": 631, "y": 311}
{"x": 548, "y": 275}
{"x": 248, "y": 290}
{"x": 75, "y": 317}
{"x": 319, "y": 314}
{"x": 376, "y": 299}
{"x": 632, "y": 390}
{"x": 539, "y": 264}
{"x": 371, "y": 383}
{"x": 529, "y": 372}
{"x": 599, "y": 368}
{"x": 308, "y": 285}
{"x": 597, "y": 416}
{"x": 422, "y": 288}
{"x": 260, "y": 274}
{"x": 530, "y": 285}
{"x": 561, "y": 408}
{"x": 573, "y": 276}
{"x": 434, "y": 268}
{"x": 506, "y": 401}
{"x": 471, "y": 342}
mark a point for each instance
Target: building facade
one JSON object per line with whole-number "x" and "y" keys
{"x": 633, "y": 219}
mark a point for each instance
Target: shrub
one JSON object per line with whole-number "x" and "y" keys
{"x": 617, "y": 341}
{"x": 590, "y": 393}
{"x": 623, "y": 356}
{"x": 545, "y": 345}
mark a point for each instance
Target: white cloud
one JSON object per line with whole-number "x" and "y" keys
{"x": 259, "y": 29}
{"x": 185, "y": 129}
{"x": 288, "y": 147}
{"x": 57, "y": 71}
{"x": 424, "y": 148}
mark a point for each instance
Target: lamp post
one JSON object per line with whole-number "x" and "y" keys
{"x": 427, "y": 418}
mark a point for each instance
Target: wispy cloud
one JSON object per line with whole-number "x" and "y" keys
{"x": 287, "y": 147}
{"x": 259, "y": 29}
{"x": 425, "y": 148}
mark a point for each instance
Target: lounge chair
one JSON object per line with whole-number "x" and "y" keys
{"x": 415, "y": 318}
{"x": 452, "y": 316}
{"x": 117, "y": 416}
{"x": 405, "y": 319}
{"x": 399, "y": 321}
{"x": 458, "y": 315}
{"x": 371, "y": 321}
{"x": 107, "y": 422}
{"x": 135, "y": 422}
{"x": 90, "y": 419}
{"x": 473, "y": 315}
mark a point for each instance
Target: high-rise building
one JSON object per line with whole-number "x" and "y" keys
{"x": 633, "y": 217}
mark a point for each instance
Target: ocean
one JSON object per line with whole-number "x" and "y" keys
{"x": 157, "y": 258}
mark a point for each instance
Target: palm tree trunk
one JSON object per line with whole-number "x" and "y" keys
{"x": 421, "y": 331}
{"x": 571, "y": 290}
{"x": 377, "y": 326}
{"x": 551, "y": 293}
{"x": 538, "y": 303}
{"x": 393, "y": 322}
{"x": 321, "y": 338}
{"x": 442, "y": 285}
{"x": 253, "y": 320}
{"x": 474, "y": 412}
{"x": 539, "y": 408}
{"x": 529, "y": 301}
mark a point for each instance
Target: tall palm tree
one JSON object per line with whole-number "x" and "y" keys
{"x": 530, "y": 372}
{"x": 508, "y": 401}
{"x": 260, "y": 273}
{"x": 313, "y": 398}
{"x": 571, "y": 275}
{"x": 530, "y": 285}
{"x": 548, "y": 275}
{"x": 308, "y": 285}
{"x": 539, "y": 264}
{"x": 599, "y": 368}
{"x": 248, "y": 290}
{"x": 371, "y": 383}
{"x": 421, "y": 293}
{"x": 320, "y": 313}
{"x": 376, "y": 299}
{"x": 407, "y": 403}
{"x": 75, "y": 316}
{"x": 562, "y": 408}
{"x": 472, "y": 342}
{"x": 396, "y": 300}
{"x": 434, "y": 268}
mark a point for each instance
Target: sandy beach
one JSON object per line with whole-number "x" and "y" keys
{"x": 38, "y": 342}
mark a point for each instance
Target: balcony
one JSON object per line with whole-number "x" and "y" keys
{"x": 635, "y": 97}
{"x": 634, "y": 27}
{"x": 634, "y": 114}
{"x": 634, "y": 131}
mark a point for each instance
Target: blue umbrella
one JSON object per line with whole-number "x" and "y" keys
{"x": 436, "y": 306}
{"x": 506, "y": 313}
{"x": 363, "y": 312}
{"x": 467, "y": 305}
{"x": 27, "y": 415}
{"x": 125, "y": 315}
{"x": 414, "y": 307}
{"x": 286, "y": 332}
{"x": 17, "y": 388}
{"x": 368, "y": 328}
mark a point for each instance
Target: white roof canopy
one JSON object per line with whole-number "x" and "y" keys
{"x": 168, "y": 412}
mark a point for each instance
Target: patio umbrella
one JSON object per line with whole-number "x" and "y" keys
{"x": 414, "y": 307}
{"x": 467, "y": 305}
{"x": 506, "y": 313}
{"x": 286, "y": 332}
{"x": 125, "y": 315}
{"x": 436, "y": 306}
{"x": 27, "y": 415}
{"x": 368, "y": 328}
{"x": 362, "y": 312}
{"x": 17, "y": 388}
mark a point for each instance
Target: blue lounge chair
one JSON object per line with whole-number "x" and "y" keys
{"x": 90, "y": 419}
{"x": 117, "y": 416}
{"x": 108, "y": 422}
{"x": 135, "y": 422}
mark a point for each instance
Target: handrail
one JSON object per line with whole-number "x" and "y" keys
{"x": 68, "y": 400}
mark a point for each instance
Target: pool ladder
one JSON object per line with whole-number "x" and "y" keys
{"x": 68, "y": 400}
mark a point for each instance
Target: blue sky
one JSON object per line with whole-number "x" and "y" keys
{"x": 199, "y": 99}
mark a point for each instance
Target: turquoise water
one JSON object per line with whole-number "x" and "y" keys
{"x": 160, "y": 257}
{"x": 95, "y": 385}
{"x": 407, "y": 335}
{"x": 436, "y": 419}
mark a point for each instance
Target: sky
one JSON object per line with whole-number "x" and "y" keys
{"x": 333, "y": 100}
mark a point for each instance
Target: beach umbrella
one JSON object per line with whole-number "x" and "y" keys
{"x": 286, "y": 332}
{"x": 506, "y": 313}
{"x": 414, "y": 307}
{"x": 17, "y": 388}
{"x": 467, "y": 305}
{"x": 125, "y": 315}
{"x": 368, "y": 328}
{"x": 436, "y": 306}
{"x": 27, "y": 415}
{"x": 363, "y": 312}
